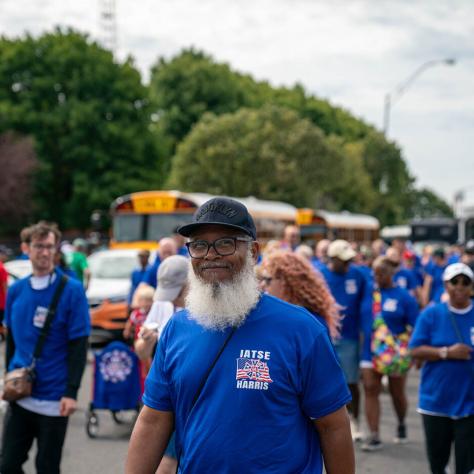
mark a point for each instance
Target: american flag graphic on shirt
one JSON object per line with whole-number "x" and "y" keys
{"x": 252, "y": 369}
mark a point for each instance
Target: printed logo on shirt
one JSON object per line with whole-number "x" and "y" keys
{"x": 472, "y": 336}
{"x": 351, "y": 287}
{"x": 252, "y": 370}
{"x": 39, "y": 317}
{"x": 390, "y": 305}
{"x": 401, "y": 282}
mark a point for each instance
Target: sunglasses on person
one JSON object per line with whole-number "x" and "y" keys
{"x": 460, "y": 279}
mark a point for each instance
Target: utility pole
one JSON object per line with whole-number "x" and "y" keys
{"x": 108, "y": 24}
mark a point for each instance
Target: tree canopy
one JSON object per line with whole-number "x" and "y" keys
{"x": 88, "y": 116}
{"x": 269, "y": 152}
{"x": 83, "y": 129}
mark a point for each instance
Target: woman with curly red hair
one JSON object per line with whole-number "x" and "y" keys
{"x": 290, "y": 277}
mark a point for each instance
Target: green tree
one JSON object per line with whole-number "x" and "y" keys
{"x": 389, "y": 176}
{"x": 192, "y": 83}
{"x": 270, "y": 153}
{"x": 426, "y": 203}
{"x": 88, "y": 116}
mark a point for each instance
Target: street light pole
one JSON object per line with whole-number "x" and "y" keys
{"x": 391, "y": 97}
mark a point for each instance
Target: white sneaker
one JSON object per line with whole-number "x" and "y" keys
{"x": 356, "y": 432}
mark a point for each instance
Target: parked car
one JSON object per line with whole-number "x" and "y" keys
{"x": 17, "y": 269}
{"x": 107, "y": 292}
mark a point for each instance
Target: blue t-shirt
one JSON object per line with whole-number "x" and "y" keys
{"x": 447, "y": 386}
{"x": 437, "y": 286}
{"x": 151, "y": 277}
{"x": 138, "y": 275}
{"x": 399, "y": 310}
{"x": 353, "y": 293}
{"x": 278, "y": 371}
{"x": 405, "y": 278}
{"x": 25, "y": 313}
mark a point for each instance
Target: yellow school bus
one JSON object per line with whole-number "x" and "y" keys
{"x": 140, "y": 219}
{"x": 319, "y": 224}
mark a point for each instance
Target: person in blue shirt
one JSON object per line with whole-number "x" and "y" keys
{"x": 352, "y": 292}
{"x": 433, "y": 287}
{"x": 138, "y": 275}
{"x": 166, "y": 248}
{"x": 444, "y": 339}
{"x": 250, "y": 383}
{"x": 403, "y": 277}
{"x": 399, "y": 310}
{"x": 43, "y": 416}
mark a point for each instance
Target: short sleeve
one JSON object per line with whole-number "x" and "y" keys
{"x": 157, "y": 394}
{"x": 324, "y": 387}
{"x": 423, "y": 328}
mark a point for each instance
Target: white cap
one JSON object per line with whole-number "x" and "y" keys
{"x": 341, "y": 249}
{"x": 456, "y": 269}
{"x": 172, "y": 276}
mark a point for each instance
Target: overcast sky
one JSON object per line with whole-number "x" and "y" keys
{"x": 349, "y": 52}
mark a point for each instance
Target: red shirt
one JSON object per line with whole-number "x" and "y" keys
{"x": 3, "y": 283}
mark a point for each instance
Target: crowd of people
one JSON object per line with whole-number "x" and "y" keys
{"x": 244, "y": 344}
{"x": 368, "y": 297}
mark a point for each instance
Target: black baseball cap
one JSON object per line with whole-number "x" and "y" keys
{"x": 221, "y": 211}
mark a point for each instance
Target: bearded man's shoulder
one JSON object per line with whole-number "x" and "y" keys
{"x": 289, "y": 316}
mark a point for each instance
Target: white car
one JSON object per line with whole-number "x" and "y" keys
{"x": 17, "y": 269}
{"x": 108, "y": 289}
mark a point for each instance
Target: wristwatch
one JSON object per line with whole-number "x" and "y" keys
{"x": 443, "y": 353}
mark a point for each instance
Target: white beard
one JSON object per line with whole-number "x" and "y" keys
{"x": 221, "y": 305}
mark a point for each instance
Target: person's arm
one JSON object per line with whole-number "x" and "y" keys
{"x": 425, "y": 290}
{"x": 456, "y": 351}
{"x": 336, "y": 442}
{"x": 149, "y": 439}
{"x": 76, "y": 362}
{"x": 10, "y": 349}
{"x": 87, "y": 277}
{"x": 145, "y": 343}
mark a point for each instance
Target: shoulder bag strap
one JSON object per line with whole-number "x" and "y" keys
{"x": 49, "y": 318}
{"x": 203, "y": 383}
{"x": 209, "y": 370}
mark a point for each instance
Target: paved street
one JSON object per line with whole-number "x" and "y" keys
{"x": 106, "y": 454}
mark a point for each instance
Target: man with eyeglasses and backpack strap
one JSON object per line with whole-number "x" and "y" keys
{"x": 48, "y": 324}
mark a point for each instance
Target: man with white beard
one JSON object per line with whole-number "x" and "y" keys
{"x": 250, "y": 383}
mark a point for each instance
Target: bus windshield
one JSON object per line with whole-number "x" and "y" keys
{"x": 147, "y": 227}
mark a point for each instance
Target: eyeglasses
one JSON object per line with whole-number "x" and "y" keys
{"x": 464, "y": 280}
{"x": 40, "y": 247}
{"x": 224, "y": 247}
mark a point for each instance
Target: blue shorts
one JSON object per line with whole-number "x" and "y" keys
{"x": 347, "y": 351}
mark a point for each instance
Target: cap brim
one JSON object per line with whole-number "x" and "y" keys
{"x": 454, "y": 275}
{"x": 345, "y": 257}
{"x": 167, "y": 294}
{"x": 188, "y": 229}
